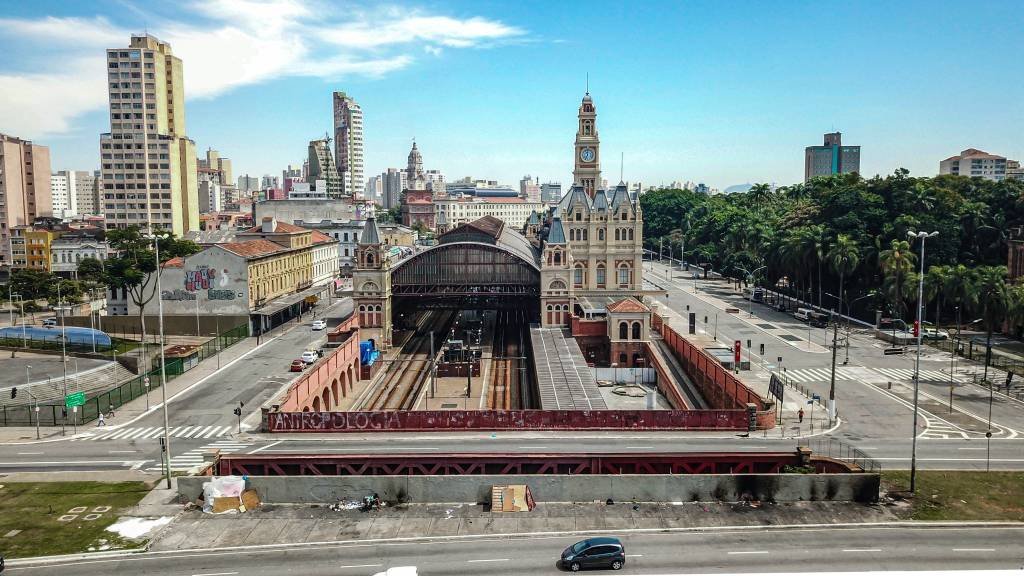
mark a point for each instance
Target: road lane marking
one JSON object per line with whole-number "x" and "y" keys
{"x": 531, "y": 447}
{"x": 748, "y": 552}
{"x": 974, "y": 549}
{"x": 490, "y": 560}
{"x": 361, "y": 566}
{"x": 216, "y": 574}
{"x": 262, "y": 448}
{"x": 863, "y": 550}
{"x": 639, "y": 447}
{"x": 121, "y": 451}
{"x": 634, "y": 555}
{"x": 29, "y": 453}
{"x": 971, "y": 448}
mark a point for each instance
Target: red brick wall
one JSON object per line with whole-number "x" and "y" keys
{"x": 332, "y": 377}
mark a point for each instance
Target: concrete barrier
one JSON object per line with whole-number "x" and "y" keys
{"x": 548, "y": 488}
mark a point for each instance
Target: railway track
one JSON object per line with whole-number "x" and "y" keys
{"x": 507, "y": 349}
{"x": 407, "y": 373}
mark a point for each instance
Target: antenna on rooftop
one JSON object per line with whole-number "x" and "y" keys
{"x": 622, "y": 163}
{"x": 588, "y": 82}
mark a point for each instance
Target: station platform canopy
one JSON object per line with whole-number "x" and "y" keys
{"x": 564, "y": 379}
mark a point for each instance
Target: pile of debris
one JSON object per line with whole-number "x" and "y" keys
{"x": 228, "y": 495}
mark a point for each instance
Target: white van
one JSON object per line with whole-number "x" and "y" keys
{"x": 803, "y": 314}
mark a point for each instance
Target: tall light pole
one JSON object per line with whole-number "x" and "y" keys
{"x": 917, "y": 363}
{"x": 63, "y": 351}
{"x": 163, "y": 364}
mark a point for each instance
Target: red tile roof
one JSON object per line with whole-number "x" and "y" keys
{"x": 176, "y": 262}
{"x": 252, "y": 248}
{"x": 628, "y": 305}
{"x": 321, "y": 238}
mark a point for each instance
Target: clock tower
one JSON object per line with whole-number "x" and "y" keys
{"x": 587, "y": 166}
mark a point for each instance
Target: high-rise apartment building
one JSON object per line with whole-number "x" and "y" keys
{"x": 435, "y": 182}
{"x": 831, "y": 158}
{"x": 976, "y": 163}
{"x": 348, "y": 143}
{"x": 248, "y": 184}
{"x": 293, "y": 172}
{"x": 269, "y": 181}
{"x": 218, "y": 166}
{"x": 62, "y": 195}
{"x": 392, "y": 183}
{"x": 148, "y": 165}
{"x": 321, "y": 167}
{"x": 529, "y": 188}
{"x": 551, "y": 192}
{"x": 24, "y": 188}
{"x": 373, "y": 191}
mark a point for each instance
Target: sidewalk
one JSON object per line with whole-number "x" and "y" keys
{"x": 137, "y": 407}
{"x": 279, "y": 524}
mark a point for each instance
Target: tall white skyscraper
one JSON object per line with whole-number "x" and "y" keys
{"x": 62, "y": 186}
{"x": 348, "y": 143}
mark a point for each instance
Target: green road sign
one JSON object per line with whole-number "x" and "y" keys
{"x": 76, "y": 399}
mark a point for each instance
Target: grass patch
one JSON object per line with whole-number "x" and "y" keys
{"x": 34, "y": 508}
{"x": 950, "y": 495}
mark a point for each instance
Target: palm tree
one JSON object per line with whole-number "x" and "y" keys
{"x": 935, "y": 282}
{"x": 820, "y": 239}
{"x": 961, "y": 287}
{"x": 994, "y": 301}
{"x": 760, "y": 194}
{"x": 897, "y": 263}
{"x": 796, "y": 251}
{"x": 844, "y": 256}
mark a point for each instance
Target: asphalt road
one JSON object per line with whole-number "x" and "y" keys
{"x": 748, "y": 551}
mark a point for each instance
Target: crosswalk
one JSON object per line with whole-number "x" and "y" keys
{"x": 809, "y": 375}
{"x": 153, "y": 432}
{"x": 193, "y": 458}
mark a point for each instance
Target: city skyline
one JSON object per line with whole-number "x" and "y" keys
{"x": 742, "y": 111}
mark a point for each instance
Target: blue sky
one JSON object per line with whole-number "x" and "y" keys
{"x": 720, "y": 92}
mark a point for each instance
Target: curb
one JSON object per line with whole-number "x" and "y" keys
{"x": 94, "y": 556}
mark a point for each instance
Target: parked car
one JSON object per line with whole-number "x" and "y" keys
{"x": 818, "y": 319}
{"x": 310, "y": 356}
{"x": 297, "y": 366}
{"x": 594, "y": 553}
{"x": 50, "y": 322}
{"x": 803, "y": 314}
{"x": 319, "y": 324}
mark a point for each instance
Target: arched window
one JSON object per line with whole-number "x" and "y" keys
{"x": 577, "y": 275}
{"x": 585, "y": 236}
{"x": 550, "y": 307}
{"x": 617, "y": 234}
{"x": 600, "y": 235}
{"x": 362, "y": 308}
{"x": 636, "y": 330}
{"x": 630, "y": 233}
{"x": 377, "y": 308}
{"x": 556, "y": 285}
{"x": 624, "y": 275}
{"x": 558, "y": 257}
{"x": 623, "y": 331}
{"x": 600, "y": 275}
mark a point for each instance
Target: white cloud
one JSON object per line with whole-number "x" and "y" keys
{"x": 224, "y": 45}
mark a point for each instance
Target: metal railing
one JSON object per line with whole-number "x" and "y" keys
{"x": 832, "y": 448}
{"x": 57, "y": 414}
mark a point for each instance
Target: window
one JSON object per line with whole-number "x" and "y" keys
{"x": 600, "y": 276}
{"x": 577, "y": 276}
{"x": 623, "y": 331}
{"x": 600, "y": 235}
{"x": 636, "y": 330}
{"x": 624, "y": 276}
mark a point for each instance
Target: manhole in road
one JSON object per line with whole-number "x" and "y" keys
{"x": 767, "y": 326}
{"x": 789, "y": 337}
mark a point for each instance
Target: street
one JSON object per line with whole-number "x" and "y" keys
{"x": 812, "y": 549}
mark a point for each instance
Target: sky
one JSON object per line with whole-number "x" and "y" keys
{"x": 721, "y": 92}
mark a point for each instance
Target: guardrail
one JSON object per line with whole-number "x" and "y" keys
{"x": 838, "y": 450}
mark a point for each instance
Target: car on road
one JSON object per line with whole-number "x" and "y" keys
{"x": 594, "y": 553}
{"x": 50, "y": 322}
{"x": 319, "y": 324}
{"x": 310, "y": 356}
{"x": 297, "y": 366}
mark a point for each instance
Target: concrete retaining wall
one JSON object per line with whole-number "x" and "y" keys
{"x": 547, "y": 488}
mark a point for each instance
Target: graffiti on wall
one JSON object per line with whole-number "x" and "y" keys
{"x": 200, "y": 279}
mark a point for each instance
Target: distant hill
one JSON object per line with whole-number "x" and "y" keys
{"x": 738, "y": 188}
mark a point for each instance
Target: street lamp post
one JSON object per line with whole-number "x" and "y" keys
{"x": 952, "y": 357}
{"x": 163, "y": 364}
{"x": 917, "y": 363}
{"x": 63, "y": 351}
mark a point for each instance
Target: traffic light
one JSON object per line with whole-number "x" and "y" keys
{"x": 14, "y": 393}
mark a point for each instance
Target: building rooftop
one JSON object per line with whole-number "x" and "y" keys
{"x": 628, "y": 305}
{"x": 252, "y": 248}
{"x": 564, "y": 379}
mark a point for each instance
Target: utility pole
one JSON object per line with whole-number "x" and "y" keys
{"x": 63, "y": 352}
{"x": 832, "y": 387}
{"x": 917, "y": 365}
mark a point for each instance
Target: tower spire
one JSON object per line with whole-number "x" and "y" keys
{"x": 588, "y": 82}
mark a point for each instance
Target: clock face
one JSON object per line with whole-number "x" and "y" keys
{"x": 587, "y": 154}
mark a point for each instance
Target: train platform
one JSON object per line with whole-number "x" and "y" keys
{"x": 564, "y": 379}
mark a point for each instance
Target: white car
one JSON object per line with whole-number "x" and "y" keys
{"x": 319, "y": 324}
{"x": 309, "y": 356}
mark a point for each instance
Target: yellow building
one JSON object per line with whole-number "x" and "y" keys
{"x": 30, "y": 247}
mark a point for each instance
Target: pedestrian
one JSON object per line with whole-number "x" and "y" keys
{"x": 101, "y": 421}
{"x": 800, "y": 415}
{"x": 110, "y": 410}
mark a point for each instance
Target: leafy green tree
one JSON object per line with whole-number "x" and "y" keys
{"x": 31, "y": 284}
{"x": 994, "y": 300}
{"x": 935, "y": 282}
{"x": 91, "y": 272}
{"x": 134, "y": 267}
{"x": 898, "y": 264}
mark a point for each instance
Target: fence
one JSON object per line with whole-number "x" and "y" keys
{"x": 832, "y": 448}
{"x": 57, "y": 415}
{"x": 973, "y": 350}
{"x": 33, "y": 343}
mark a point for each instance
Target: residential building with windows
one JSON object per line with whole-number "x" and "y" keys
{"x": 348, "y": 144}
{"x": 321, "y": 167}
{"x": 67, "y": 251}
{"x": 830, "y": 158}
{"x": 394, "y": 181}
{"x": 514, "y": 211}
{"x": 148, "y": 164}
{"x": 550, "y": 192}
{"x": 24, "y": 188}
{"x": 529, "y": 188}
{"x": 976, "y": 164}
